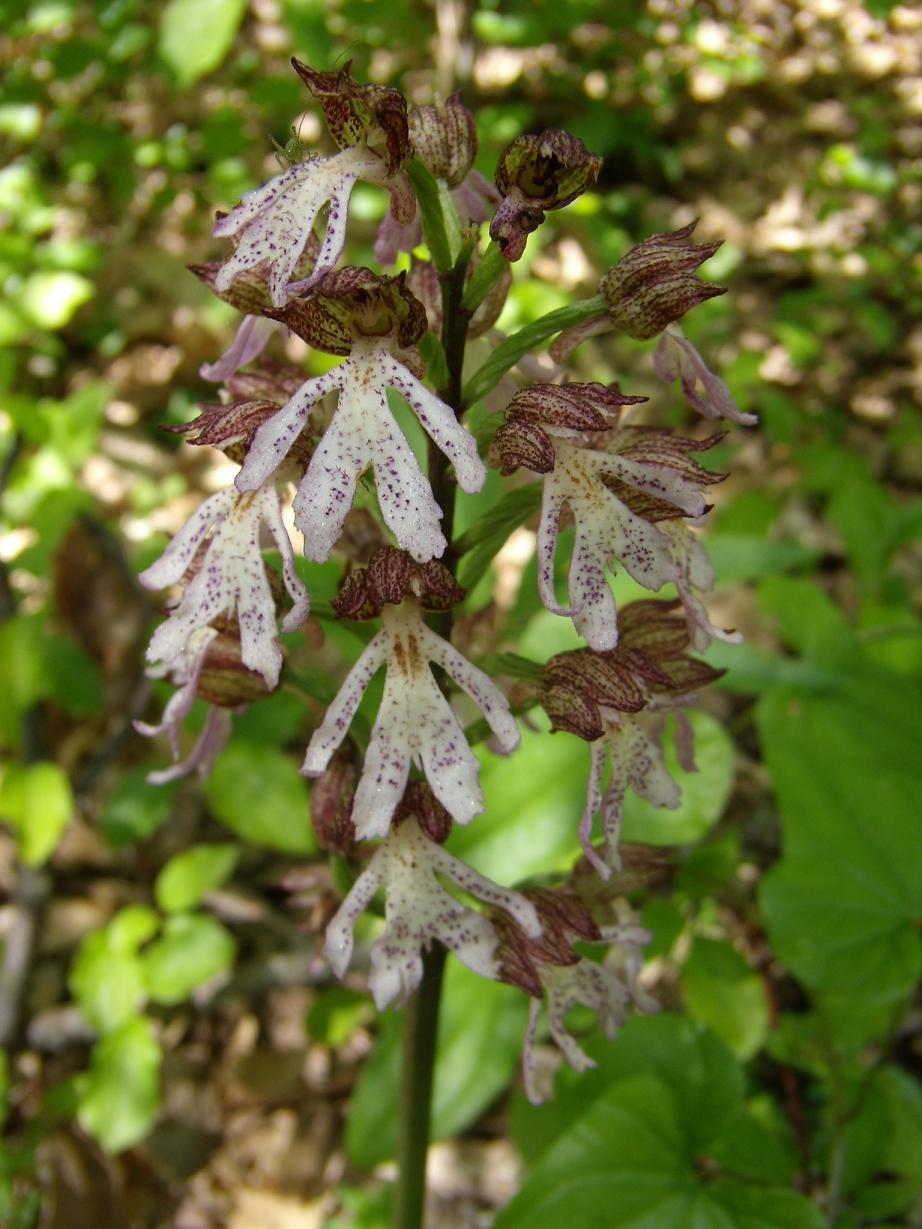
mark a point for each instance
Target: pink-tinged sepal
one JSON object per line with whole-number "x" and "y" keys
{"x": 677, "y": 358}
{"x": 188, "y": 671}
{"x": 250, "y": 340}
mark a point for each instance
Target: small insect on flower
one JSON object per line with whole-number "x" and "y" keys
{"x": 294, "y": 151}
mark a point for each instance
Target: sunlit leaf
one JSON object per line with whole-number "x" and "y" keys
{"x": 258, "y": 793}
{"x": 119, "y": 1096}
{"x": 196, "y": 35}
{"x": 37, "y": 799}
{"x": 189, "y": 875}
{"x": 192, "y": 949}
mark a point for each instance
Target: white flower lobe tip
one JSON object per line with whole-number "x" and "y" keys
{"x": 676, "y": 358}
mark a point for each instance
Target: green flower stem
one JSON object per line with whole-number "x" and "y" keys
{"x": 421, "y": 1014}
{"x": 420, "y": 1030}
{"x": 491, "y": 268}
{"x": 519, "y": 344}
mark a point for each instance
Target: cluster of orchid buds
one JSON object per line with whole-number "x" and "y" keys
{"x": 631, "y": 490}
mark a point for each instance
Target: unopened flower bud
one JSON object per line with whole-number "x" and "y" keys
{"x": 224, "y": 680}
{"x": 536, "y": 174}
{"x": 391, "y": 576}
{"x": 564, "y": 917}
{"x": 540, "y": 411}
{"x": 653, "y": 284}
{"x": 519, "y": 442}
{"x": 373, "y": 114}
{"x": 421, "y": 804}
{"x": 331, "y": 803}
{"x": 445, "y": 139}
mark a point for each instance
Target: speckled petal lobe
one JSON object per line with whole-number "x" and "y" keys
{"x": 334, "y": 240}
{"x": 636, "y": 760}
{"x": 364, "y": 432}
{"x": 552, "y": 501}
{"x": 656, "y": 480}
{"x": 477, "y": 885}
{"x": 253, "y": 203}
{"x": 231, "y": 580}
{"x": 386, "y": 767}
{"x": 327, "y": 737}
{"x": 274, "y": 439}
{"x": 441, "y": 425}
{"x": 297, "y": 590}
{"x": 448, "y": 762}
{"x": 479, "y": 686}
{"x": 338, "y": 943}
{"x": 273, "y": 223}
{"x": 594, "y": 611}
{"x": 593, "y": 803}
{"x": 175, "y": 560}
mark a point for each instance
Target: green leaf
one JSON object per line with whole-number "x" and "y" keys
{"x": 519, "y": 344}
{"x": 843, "y": 905}
{"x": 196, "y": 35}
{"x": 189, "y": 875}
{"x": 704, "y": 792}
{"x": 481, "y": 1025}
{"x": 620, "y": 1163}
{"x": 258, "y": 793}
{"x": 24, "y": 674}
{"x": 529, "y": 826}
{"x": 107, "y": 977}
{"x": 700, "y": 1071}
{"x": 513, "y": 665}
{"x": 627, "y": 1161}
{"x": 721, "y": 991}
{"x": 430, "y": 347}
{"x": 76, "y": 678}
{"x": 429, "y": 201}
{"x": 135, "y": 809}
{"x": 903, "y": 1096}
{"x": 808, "y": 620}
{"x": 37, "y": 799}
{"x": 479, "y": 545}
{"x": 192, "y": 949}
{"x": 737, "y": 557}
{"x": 119, "y": 1096}
{"x": 336, "y": 1013}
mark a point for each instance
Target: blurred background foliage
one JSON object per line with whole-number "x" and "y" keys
{"x": 176, "y": 1052}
